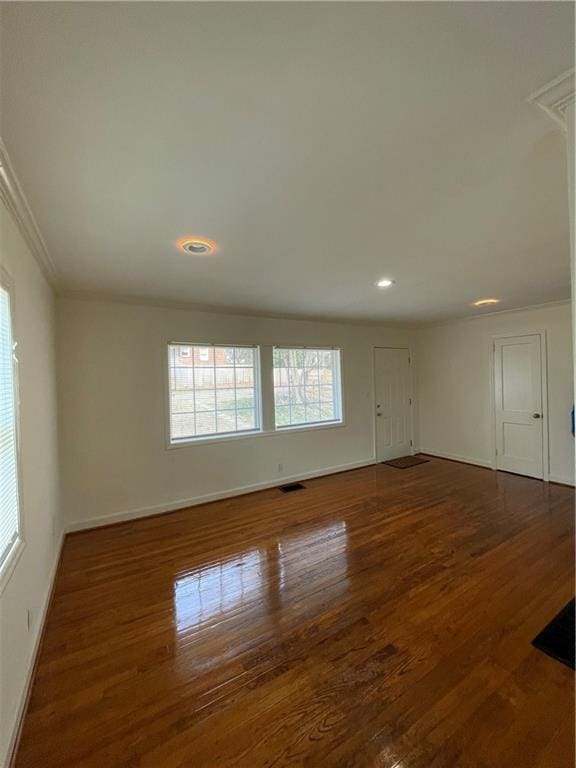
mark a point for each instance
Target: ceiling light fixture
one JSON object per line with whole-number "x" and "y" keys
{"x": 197, "y": 246}
{"x": 385, "y": 283}
{"x": 485, "y": 302}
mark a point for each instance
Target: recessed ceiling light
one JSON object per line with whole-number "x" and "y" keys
{"x": 485, "y": 302}
{"x": 385, "y": 283}
{"x": 197, "y": 246}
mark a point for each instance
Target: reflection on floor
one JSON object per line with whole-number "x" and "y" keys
{"x": 378, "y": 618}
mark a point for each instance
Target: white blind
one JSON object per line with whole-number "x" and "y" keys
{"x": 8, "y": 452}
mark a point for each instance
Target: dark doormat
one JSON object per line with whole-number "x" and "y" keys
{"x": 558, "y": 638}
{"x": 405, "y": 462}
{"x": 291, "y": 487}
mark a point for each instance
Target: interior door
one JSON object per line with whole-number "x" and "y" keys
{"x": 393, "y": 403}
{"x": 519, "y": 405}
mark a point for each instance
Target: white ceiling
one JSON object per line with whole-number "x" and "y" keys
{"x": 322, "y": 145}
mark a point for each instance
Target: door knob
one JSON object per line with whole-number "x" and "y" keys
{"x": 536, "y": 415}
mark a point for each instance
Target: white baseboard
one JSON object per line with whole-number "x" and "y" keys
{"x": 562, "y": 480}
{"x": 457, "y": 457}
{"x": 171, "y": 506}
{"x": 489, "y": 465}
{"x": 27, "y": 687}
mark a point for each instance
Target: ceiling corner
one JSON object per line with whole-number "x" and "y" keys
{"x": 555, "y": 97}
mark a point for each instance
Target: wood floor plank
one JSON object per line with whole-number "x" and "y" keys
{"x": 380, "y": 617}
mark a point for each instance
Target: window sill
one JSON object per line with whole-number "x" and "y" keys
{"x": 10, "y": 563}
{"x": 257, "y": 433}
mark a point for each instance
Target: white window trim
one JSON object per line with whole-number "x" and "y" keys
{"x": 265, "y": 395}
{"x": 223, "y": 436}
{"x": 341, "y": 422}
{"x": 8, "y": 566}
{"x": 232, "y": 437}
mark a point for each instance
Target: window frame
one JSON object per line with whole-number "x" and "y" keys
{"x": 222, "y": 436}
{"x": 340, "y": 422}
{"x": 8, "y": 566}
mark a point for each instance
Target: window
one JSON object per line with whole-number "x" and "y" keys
{"x": 9, "y": 491}
{"x": 214, "y": 391}
{"x": 307, "y": 387}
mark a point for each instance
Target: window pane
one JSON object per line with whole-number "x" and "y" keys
{"x": 282, "y": 415}
{"x": 224, "y": 377}
{"x": 225, "y": 399}
{"x": 307, "y": 388}
{"x": 212, "y": 390}
{"x": 182, "y": 402}
{"x": 9, "y": 502}
{"x": 313, "y": 412}
{"x": 244, "y": 356}
{"x": 206, "y": 423}
{"x": 327, "y": 411}
{"x": 182, "y": 424}
{"x": 204, "y": 378}
{"x": 246, "y": 419}
{"x": 226, "y": 421}
{"x": 205, "y": 400}
{"x": 244, "y": 377}
{"x": 245, "y": 398}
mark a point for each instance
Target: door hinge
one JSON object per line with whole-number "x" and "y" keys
{"x": 409, "y": 360}
{"x": 409, "y": 401}
{"x": 496, "y": 451}
{"x": 410, "y": 442}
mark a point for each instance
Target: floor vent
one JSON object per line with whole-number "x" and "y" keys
{"x": 291, "y": 487}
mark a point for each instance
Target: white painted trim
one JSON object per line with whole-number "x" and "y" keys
{"x": 169, "y": 444}
{"x": 555, "y": 97}
{"x": 456, "y": 457}
{"x": 545, "y": 405}
{"x": 171, "y": 506}
{"x": 483, "y": 315}
{"x": 240, "y": 311}
{"x": 233, "y": 436}
{"x": 13, "y": 197}
{"x": 26, "y": 688}
{"x": 562, "y": 480}
{"x": 264, "y": 399}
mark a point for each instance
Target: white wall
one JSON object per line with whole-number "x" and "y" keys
{"x": 29, "y": 585}
{"x": 112, "y": 390}
{"x": 454, "y": 386}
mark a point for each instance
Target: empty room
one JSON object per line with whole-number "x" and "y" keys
{"x": 287, "y": 384}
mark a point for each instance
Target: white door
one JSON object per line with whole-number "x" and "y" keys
{"x": 393, "y": 403}
{"x": 518, "y": 399}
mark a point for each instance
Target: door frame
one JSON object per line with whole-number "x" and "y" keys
{"x": 541, "y": 332}
{"x": 408, "y": 348}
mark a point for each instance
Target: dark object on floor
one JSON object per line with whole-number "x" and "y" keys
{"x": 291, "y": 487}
{"x": 405, "y": 462}
{"x": 558, "y": 638}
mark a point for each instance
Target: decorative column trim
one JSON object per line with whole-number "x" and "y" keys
{"x": 13, "y": 197}
{"x": 555, "y": 97}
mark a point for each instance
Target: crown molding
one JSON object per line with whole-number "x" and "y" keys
{"x": 13, "y": 197}
{"x": 555, "y": 97}
{"x": 496, "y": 313}
{"x": 211, "y": 309}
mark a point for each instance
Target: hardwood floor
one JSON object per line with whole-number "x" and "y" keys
{"x": 381, "y": 617}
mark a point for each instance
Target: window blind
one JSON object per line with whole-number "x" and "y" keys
{"x": 8, "y": 448}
